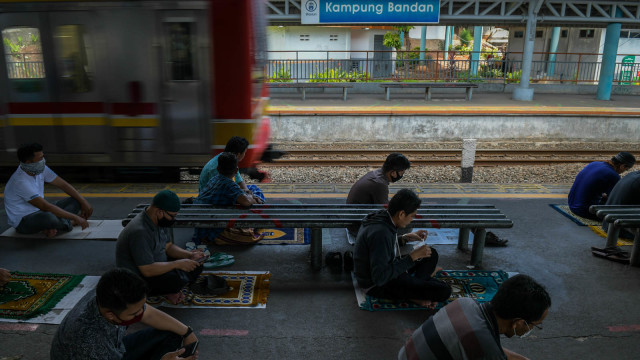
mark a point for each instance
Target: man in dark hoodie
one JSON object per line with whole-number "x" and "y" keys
{"x": 381, "y": 270}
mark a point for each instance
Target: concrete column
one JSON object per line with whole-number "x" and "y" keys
{"x": 402, "y": 40}
{"x": 447, "y": 35}
{"x": 423, "y": 42}
{"x": 553, "y": 48}
{"x": 451, "y": 32}
{"x": 608, "y": 61}
{"x": 468, "y": 158}
{"x": 477, "y": 47}
{"x": 524, "y": 92}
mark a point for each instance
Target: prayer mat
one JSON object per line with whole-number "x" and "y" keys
{"x": 564, "y": 210}
{"x": 287, "y": 236}
{"x": 97, "y": 230}
{"x": 31, "y": 294}
{"x": 249, "y": 290}
{"x": 621, "y": 241}
{"x": 479, "y": 285}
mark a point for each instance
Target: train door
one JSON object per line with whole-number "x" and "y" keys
{"x": 26, "y": 81}
{"x": 184, "y": 70}
{"x": 81, "y": 110}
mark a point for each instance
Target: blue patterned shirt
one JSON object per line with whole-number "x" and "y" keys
{"x": 220, "y": 190}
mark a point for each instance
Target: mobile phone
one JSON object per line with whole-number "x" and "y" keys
{"x": 190, "y": 349}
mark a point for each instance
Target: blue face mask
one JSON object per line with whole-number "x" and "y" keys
{"x": 33, "y": 168}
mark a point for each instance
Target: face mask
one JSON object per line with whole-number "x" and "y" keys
{"x": 136, "y": 319}
{"x": 164, "y": 222}
{"x": 394, "y": 179}
{"x": 525, "y": 334}
{"x": 33, "y": 168}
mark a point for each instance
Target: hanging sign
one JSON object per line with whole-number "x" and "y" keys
{"x": 370, "y": 11}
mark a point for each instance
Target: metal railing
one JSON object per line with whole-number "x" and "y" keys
{"x": 451, "y": 66}
{"x": 18, "y": 67}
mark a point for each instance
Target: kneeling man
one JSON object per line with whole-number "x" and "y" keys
{"x": 378, "y": 265}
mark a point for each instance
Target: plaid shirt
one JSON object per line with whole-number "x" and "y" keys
{"x": 220, "y": 190}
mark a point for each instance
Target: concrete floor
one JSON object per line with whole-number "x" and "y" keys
{"x": 315, "y": 316}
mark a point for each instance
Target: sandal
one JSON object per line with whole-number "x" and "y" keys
{"x": 613, "y": 254}
{"x": 492, "y": 239}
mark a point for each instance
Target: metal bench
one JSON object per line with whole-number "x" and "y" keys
{"x": 467, "y": 218}
{"x": 428, "y": 86}
{"x": 619, "y": 217}
{"x": 305, "y": 86}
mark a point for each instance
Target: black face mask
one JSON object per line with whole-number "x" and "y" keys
{"x": 164, "y": 222}
{"x": 394, "y": 179}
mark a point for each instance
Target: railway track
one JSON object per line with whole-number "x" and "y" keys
{"x": 489, "y": 157}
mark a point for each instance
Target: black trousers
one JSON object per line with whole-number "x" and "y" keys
{"x": 417, "y": 283}
{"x": 171, "y": 282}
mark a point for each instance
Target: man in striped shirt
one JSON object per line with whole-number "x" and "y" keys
{"x": 465, "y": 329}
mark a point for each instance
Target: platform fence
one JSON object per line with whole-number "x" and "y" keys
{"x": 451, "y": 66}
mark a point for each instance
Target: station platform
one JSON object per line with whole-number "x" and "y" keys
{"x": 315, "y": 315}
{"x": 481, "y": 104}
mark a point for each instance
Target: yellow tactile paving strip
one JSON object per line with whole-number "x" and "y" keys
{"x": 318, "y": 191}
{"x": 457, "y": 110}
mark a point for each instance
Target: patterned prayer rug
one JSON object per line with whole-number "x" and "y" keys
{"x": 287, "y": 236}
{"x": 30, "y": 294}
{"x": 621, "y": 241}
{"x": 249, "y": 289}
{"x": 480, "y": 285}
{"x": 564, "y": 210}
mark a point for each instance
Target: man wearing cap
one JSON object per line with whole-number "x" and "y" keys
{"x": 146, "y": 247}
{"x": 594, "y": 183}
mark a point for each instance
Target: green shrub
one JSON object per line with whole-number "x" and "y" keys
{"x": 281, "y": 75}
{"x": 338, "y": 75}
{"x": 513, "y": 77}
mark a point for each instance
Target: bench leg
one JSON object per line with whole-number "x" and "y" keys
{"x": 304, "y": 94}
{"x": 612, "y": 236}
{"x": 316, "y": 248}
{"x": 344, "y": 94}
{"x": 478, "y": 247}
{"x": 463, "y": 239}
{"x": 387, "y": 91}
{"x": 428, "y": 94}
{"x": 469, "y": 91}
{"x": 635, "y": 251}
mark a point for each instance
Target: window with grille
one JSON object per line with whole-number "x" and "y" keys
{"x": 518, "y": 34}
{"x": 564, "y": 33}
{"x": 587, "y": 33}
{"x": 333, "y": 37}
{"x": 23, "y": 53}
{"x": 304, "y": 37}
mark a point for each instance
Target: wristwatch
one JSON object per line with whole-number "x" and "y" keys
{"x": 189, "y": 332}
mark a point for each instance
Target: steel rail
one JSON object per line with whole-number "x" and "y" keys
{"x": 487, "y": 157}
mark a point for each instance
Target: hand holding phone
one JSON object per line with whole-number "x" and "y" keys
{"x": 190, "y": 349}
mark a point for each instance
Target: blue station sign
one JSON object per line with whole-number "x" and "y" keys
{"x": 370, "y": 11}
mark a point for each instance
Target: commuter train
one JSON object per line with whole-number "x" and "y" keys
{"x": 142, "y": 87}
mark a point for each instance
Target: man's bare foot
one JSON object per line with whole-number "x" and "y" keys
{"x": 176, "y": 298}
{"x": 50, "y": 232}
{"x": 436, "y": 271}
{"x": 424, "y": 303}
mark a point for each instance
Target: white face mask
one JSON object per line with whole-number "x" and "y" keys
{"x": 525, "y": 334}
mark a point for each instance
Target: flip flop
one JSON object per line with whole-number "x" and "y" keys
{"x": 492, "y": 239}
{"x": 613, "y": 254}
{"x": 218, "y": 264}
{"x": 219, "y": 256}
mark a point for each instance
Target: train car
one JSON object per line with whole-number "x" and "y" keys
{"x": 132, "y": 87}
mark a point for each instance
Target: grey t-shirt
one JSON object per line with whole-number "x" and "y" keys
{"x": 85, "y": 335}
{"x": 141, "y": 242}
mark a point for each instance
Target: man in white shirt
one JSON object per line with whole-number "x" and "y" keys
{"x": 27, "y": 210}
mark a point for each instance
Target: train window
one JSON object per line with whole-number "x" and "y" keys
{"x": 72, "y": 44}
{"x": 23, "y": 53}
{"x": 181, "y": 50}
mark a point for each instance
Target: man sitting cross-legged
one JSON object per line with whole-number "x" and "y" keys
{"x": 378, "y": 266}
{"x": 221, "y": 190}
{"x": 95, "y": 329}
{"x": 145, "y": 246}
{"x": 27, "y": 210}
